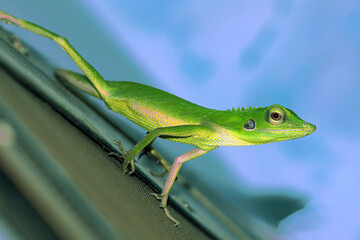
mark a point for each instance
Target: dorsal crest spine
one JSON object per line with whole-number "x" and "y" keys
{"x": 248, "y": 108}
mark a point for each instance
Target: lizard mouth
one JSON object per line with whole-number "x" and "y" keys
{"x": 304, "y": 130}
{"x": 283, "y": 130}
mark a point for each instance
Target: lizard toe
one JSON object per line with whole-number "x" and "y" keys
{"x": 120, "y": 146}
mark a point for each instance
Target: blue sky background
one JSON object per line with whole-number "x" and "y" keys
{"x": 304, "y": 55}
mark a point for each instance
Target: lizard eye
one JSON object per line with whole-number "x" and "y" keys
{"x": 276, "y": 116}
{"x": 249, "y": 125}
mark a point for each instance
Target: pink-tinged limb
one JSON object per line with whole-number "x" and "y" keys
{"x": 9, "y": 19}
{"x": 197, "y": 152}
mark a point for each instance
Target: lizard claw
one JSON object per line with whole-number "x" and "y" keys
{"x": 176, "y": 222}
{"x": 126, "y": 163}
{"x": 120, "y": 146}
{"x": 127, "y": 160}
{"x": 163, "y": 206}
{"x": 159, "y": 174}
{"x": 157, "y": 196}
{"x": 116, "y": 155}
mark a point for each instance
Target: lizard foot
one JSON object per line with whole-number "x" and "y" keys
{"x": 127, "y": 159}
{"x": 159, "y": 174}
{"x": 157, "y": 196}
{"x": 176, "y": 222}
{"x": 163, "y": 199}
{"x": 160, "y": 159}
{"x": 16, "y": 43}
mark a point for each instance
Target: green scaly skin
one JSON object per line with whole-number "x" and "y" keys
{"x": 168, "y": 116}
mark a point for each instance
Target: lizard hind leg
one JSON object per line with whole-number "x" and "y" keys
{"x": 77, "y": 80}
{"x": 91, "y": 73}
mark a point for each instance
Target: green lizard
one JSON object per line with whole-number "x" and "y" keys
{"x": 170, "y": 117}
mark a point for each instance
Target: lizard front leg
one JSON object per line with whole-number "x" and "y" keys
{"x": 181, "y": 131}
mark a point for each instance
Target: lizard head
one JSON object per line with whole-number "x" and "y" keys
{"x": 273, "y": 124}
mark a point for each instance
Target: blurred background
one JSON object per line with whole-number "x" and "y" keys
{"x": 223, "y": 54}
